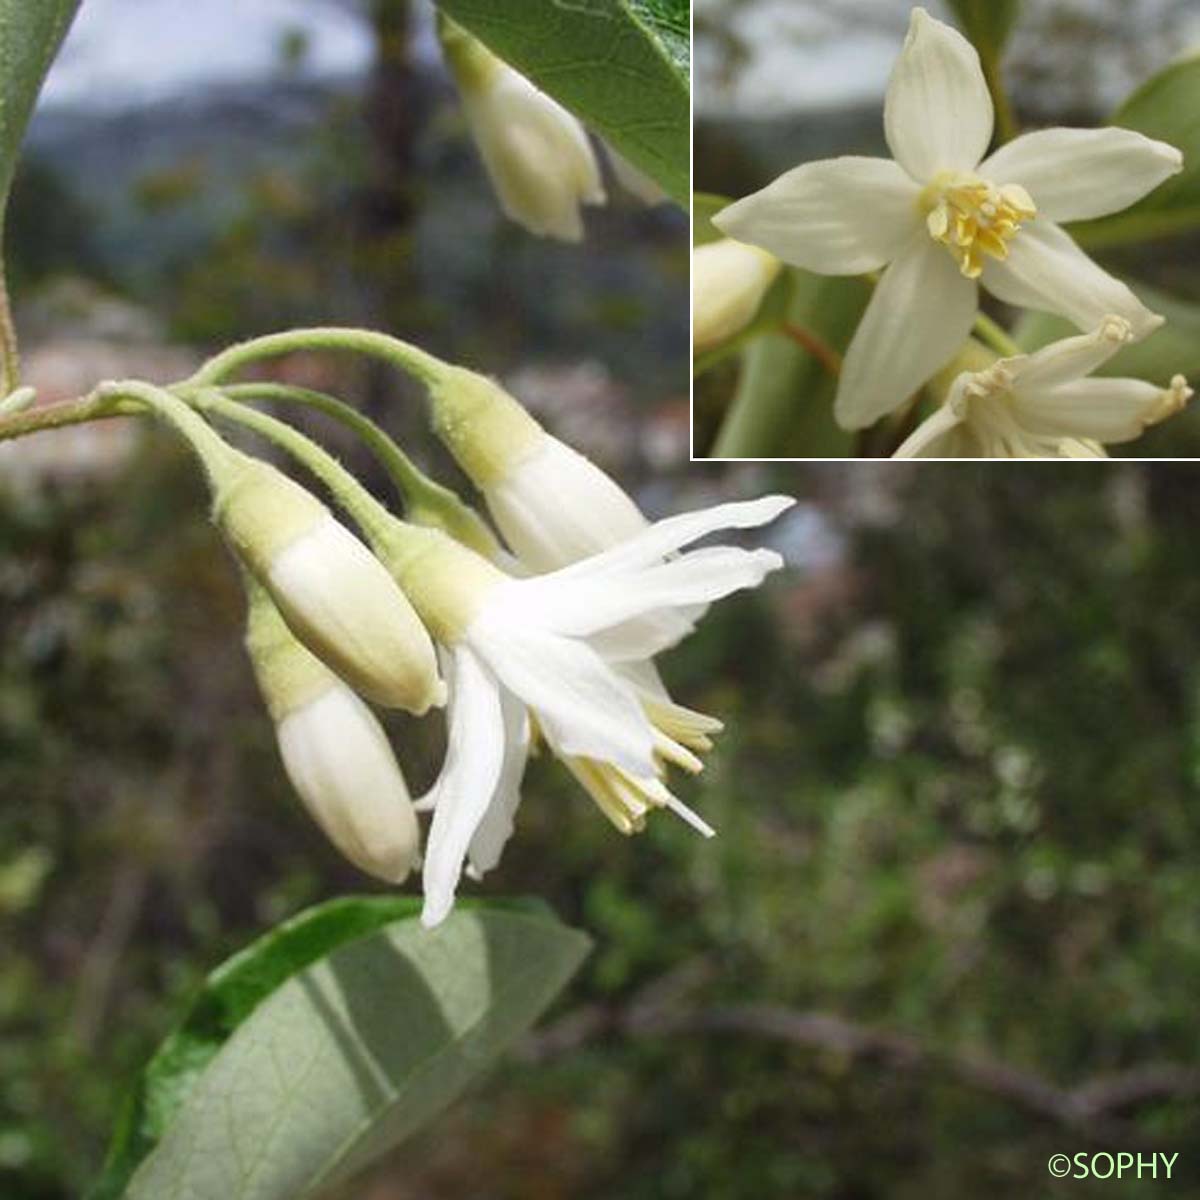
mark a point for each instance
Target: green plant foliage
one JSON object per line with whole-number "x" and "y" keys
{"x": 988, "y": 23}
{"x": 705, "y": 206}
{"x": 228, "y": 997}
{"x": 784, "y": 400}
{"x": 622, "y": 67}
{"x": 1166, "y": 107}
{"x": 329, "y": 1040}
{"x": 31, "y": 32}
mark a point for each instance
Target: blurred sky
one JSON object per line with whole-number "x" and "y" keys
{"x": 123, "y": 52}
{"x": 827, "y": 53}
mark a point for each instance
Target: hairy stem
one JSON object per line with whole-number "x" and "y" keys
{"x": 10, "y": 359}
{"x": 372, "y": 517}
{"x": 427, "y": 502}
{"x": 409, "y": 359}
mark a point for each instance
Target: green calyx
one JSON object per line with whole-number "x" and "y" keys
{"x": 289, "y": 676}
{"x": 445, "y": 581}
{"x": 261, "y": 511}
{"x": 486, "y": 430}
{"x": 473, "y": 64}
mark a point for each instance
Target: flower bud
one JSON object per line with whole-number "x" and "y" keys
{"x": 553, "y": 505}
{"x": 729, "y": 281}
{"x": 335, "y": 596}
{"x": 537, "y": 155}
{"x": 334, "y": 751}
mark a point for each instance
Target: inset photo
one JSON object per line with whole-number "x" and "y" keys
{"x": 963, "y": 231}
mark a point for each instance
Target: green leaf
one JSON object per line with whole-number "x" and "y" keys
{"x": 1173, "y": 349}
{"x": 327, "y": 948}
{"x": 31, "y": 32}
{"x": 783, "y": 406}
{"x": 621, "y": 66}
{"x": 1166, "y": 107}
{"x": 988, "y": 23}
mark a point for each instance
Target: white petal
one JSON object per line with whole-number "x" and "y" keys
{"x": 1076, "y": 174}
{"x": 556, "y": 506}
{"x": 497, "y": 825}
{"x": 581, "y": 705}
{"x": 938, "y": 112}
{"x": 840, "y": 216}
{"x": 341, "y": 765}
{"x": 467, "y": 783}
{"x": 673, "y": 533}
{"x": 1070, "y": 358}
{"x": 1106, "y": 410}
{"x": 1046, "y": 270}
{"x": 933, "y": 438}
{"x": 340, "y": 601}
{"x": 919, "y": 317}
{"x": 578, "y": 607}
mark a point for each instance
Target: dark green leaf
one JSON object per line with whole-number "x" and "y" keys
{"x": 621, "y": 66}
{"x": 31, "y": 32}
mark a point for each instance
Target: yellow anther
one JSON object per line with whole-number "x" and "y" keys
{"x": 973, "y": 218}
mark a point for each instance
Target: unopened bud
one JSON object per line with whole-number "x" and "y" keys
{"x": 334, "y": 751}
{"x": 335, "y": 596}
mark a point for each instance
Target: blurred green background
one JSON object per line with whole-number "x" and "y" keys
{"x": 950, "y": 925}
{"x": 783, "y": 82}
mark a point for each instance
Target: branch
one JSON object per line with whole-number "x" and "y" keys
{"x": 1092, "y": 1106}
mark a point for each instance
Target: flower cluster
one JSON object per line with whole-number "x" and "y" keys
{"x": 553, "y": 638}
{"x": 941, "y": 220}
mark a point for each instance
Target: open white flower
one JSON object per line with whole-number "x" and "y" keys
{"x": 943, "y": 220}
{"x": 563, "y": 649}
{"x": 537, "y": 154}
{"x": 729, "y": 281}
{"x": 1042, "y": 405}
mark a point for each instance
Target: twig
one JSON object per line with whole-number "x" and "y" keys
{"x": 1093, "y": 1105}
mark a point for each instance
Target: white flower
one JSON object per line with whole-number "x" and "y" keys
{"x": 729, "y": 281}
{"x": 1041, "y": 405}
{"x": 943, "y": 222}
{"x": 537, "y": 154}
{"x": 333, "y": 749}
{"x": 335, "y": 596}
{"x": 565, "y": 649}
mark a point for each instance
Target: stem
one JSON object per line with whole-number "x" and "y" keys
{"x": 10, "y": 359}
{"x": 57, "y": 416}
{"x": 408, "y": 477}
{"x": 997, "y": 338}
{"x": 407, "y": 358}
{"x": 820, "y": 349}
{"x": 426, "y": 500}
{"x": 212, "y": 451}
{"x": 1006, "y": 121}
{"x": 371, "y": 516}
